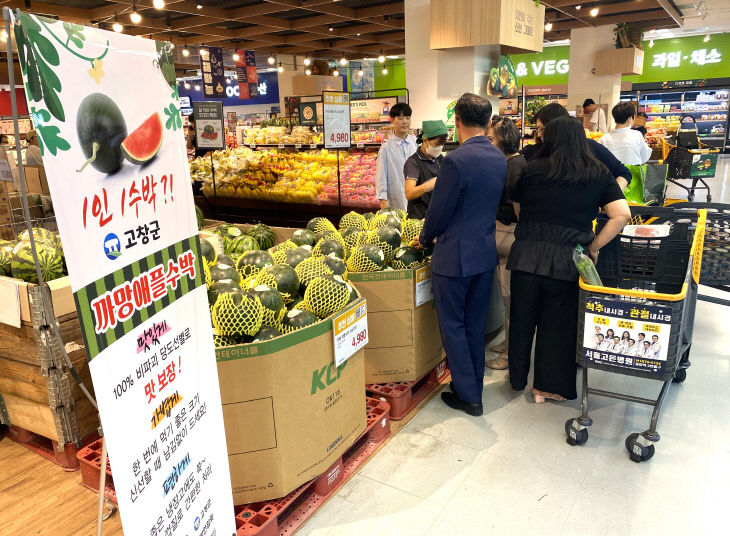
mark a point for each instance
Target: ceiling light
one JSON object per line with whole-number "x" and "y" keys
{"x": 381, "y": 58}
{"x": 236, "y": 56}
{"x": 651, "y": 43}
{"x": 578, "y": 7}
{"x": 307, "y": 61}
{"x": 331, "y": 29}
{"x": 197, "y": 87}
{"x": 358, "y": 35}
{"x": 548, "y": 26}
{"x": 594, "y": 12}
{"x": 385, "y": 70}
{"x": 158, "y": 4}
{"x": 199, "y": 5}
{"x": 343, "y": 61}
{"x": 361, "y": 72}
{"x": 271, "y": 60}
{"x": 185, "y": 51}
{"x": 335, "y": 73}
{"x": 707, "y": 38}
{"x": 186, "y": 85}
{"x": 134, "y": 16}
{"x": 117, "y": 27}
{"x": 203, "y": 51}
{"x": 281, "y": 68}
{"x": 308, "y": 72}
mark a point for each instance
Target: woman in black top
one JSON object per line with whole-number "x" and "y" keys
{"x": 422, "y": 168}
{"x": 556, "y": 201}
{"x": 506, "y": 137}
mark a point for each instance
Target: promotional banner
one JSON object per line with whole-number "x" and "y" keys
{"x": 627, "y": 335}
{"x": 213, "y": 72}
{"x": 115, "y": 158}
{"x": 248, "y": 81}
{"x": 372, "y": 111}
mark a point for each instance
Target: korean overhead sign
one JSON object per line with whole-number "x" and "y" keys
{"x": 115, "y": 158}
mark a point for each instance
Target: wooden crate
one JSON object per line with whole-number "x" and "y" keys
{"x": 38, "y": 390}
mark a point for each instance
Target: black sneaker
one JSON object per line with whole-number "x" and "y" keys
{"x": 453, "y": 401}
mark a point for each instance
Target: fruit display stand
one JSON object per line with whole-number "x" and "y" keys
{"x": 45, "y": 407}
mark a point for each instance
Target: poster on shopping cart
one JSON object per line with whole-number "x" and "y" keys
{"x": 106, "y": 110}
{"x": 626, "y": 335}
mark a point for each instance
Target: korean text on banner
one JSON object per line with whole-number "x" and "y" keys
{"x": 336, "y": 113}
{"x": 350, "y": 331}
{"x": 213, "y": 72}
{"x": 117, "y": 170}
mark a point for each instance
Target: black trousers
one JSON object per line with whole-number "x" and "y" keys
{"x": 550, "y": 306}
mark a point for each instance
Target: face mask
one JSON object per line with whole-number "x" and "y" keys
{"x": 434, "y": 152}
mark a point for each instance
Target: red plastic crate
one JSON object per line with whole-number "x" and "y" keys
{"x": 285, "y": 516}
{"x": 89, "y": 459}
{"x": 404, "y": 396}
{"x": 47, "y": 447}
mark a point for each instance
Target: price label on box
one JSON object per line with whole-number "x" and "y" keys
{"x": 350, "y": 329}
{"x": 424, "y": 290}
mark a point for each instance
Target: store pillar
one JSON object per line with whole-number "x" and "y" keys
{"x": 435, "y": 78}
{"x": 582, "y": 83}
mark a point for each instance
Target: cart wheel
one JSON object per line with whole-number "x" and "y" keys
{"x": 685, "y": 358}
{"x": 638, "y": 452}
{"x": 680, "y": 375}
{"x": 577, "y": 434}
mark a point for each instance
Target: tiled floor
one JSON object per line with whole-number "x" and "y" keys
{"x": 511, "y": 472}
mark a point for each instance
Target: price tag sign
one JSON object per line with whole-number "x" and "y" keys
{"x": 424, "y": 290}
{"x": 297, "y": 145}
{"x": 350, "y": 329}
{"x": 253, "y": 146}
{"x": 336, "y": 110}
{"x": 281, "y": 146}
{"x": 312, "y": 145}
{"x": 360, "y": 145}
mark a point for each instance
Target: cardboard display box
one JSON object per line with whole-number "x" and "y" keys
{"x": 289, "y": 413}
{"x": 35, "y": 180}
{"x": 405, "y": 342}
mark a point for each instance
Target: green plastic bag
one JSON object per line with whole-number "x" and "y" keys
{"x": 634, "y": 192}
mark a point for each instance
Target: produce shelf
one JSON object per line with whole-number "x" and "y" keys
{"x": 285, "y": 516}
{"x": 404, "y": 396}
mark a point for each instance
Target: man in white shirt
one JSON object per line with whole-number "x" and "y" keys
{"x": 596, "y": 121}
{"x": 33, "y": 155}
{"x": 390, "y": 183}
{"x": 626, "y": 144}
{"x": 655, "y": 346}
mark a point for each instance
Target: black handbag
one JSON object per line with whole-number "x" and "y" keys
{"x": 688, "y": 137}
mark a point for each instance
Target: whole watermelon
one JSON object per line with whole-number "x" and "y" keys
{"x": 310, "y": 268}
{"x": 384, "y": 219}
{"x": 252, "y": 262}
{"x": 225, "y": 261}
{"x": 39, "y": 233}
{"x": 298, "y": 319}
{"x": 208, "y": 251}
{"x": 22, "y": 265}
{"x": 319, "y": 224}
{"x": 287, "y": 280}
{"x": 407, "y": 258}
{"x": 221, "y": 287}
{"x": 266, "y": 333}
{"x": 326, "y": 295}
{"x": 336, "y": 264}
{"x": 237, "y": 313}
{"x": 220, "y": 272}
{"x": 353, "y": 220}
{"x": 329, "y": 247}
{"x": 263, "y": 234}
{"x": 6, "y": 255}
{"x": 286, "y": 245}
{"x": 398, "y": 213}
{"x": 303, "y": 237}
{"x": 272, "y": 302}
{"x": 240, "y": 245}
{"x": 411, "y": 230}
{"x": 386, "y": 238}
{"x": 366, "y": 258}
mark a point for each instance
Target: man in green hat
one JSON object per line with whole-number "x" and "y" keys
{"x": 422, "y": 168}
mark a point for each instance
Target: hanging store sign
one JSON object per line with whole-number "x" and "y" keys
{"x": 375, "y": 110}
{"x": 213, "y": 72}
{"x": 336, "y": 114}
{"x": 115, "y": 159}
{"x": 308, "y": 113}
{"x": 248, "y": 80}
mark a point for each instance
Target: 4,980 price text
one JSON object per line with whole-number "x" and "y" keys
{"x": 340, "y": 137}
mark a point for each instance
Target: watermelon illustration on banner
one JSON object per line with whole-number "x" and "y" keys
{"x": 117, "y": 170}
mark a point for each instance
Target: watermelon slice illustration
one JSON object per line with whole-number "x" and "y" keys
{"x": 142, "y": 145}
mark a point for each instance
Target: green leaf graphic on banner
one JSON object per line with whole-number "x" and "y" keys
{"x": 75, "y": 33}
{"x": 173, "y": 117}
{"x": 52, "y": 140}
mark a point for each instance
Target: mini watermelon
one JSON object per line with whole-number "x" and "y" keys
{"x": 353, "y": 220}
{"x": 287, "y": 280}
{"x": 366, "y": 258}
{"x": 398, "y": 213}
{"x": 225, "y": 260}
{"x": 42, "y": 234}
{"x": 263, "y": 234}
{"x": 222, "y": 272}
{"x": 143, "y": 144}
{"x": 22, "y": 265}
{"x": 266, "y": 333}
{"x": 329, "y": 247}
{"x": 6, "y": 256}
{"x": 353, "y": 293}
{"x": 221, "y": 287}
{"x": 384, "y": 219}
{"x": 253, "y": 262}
{"x": 407, "y": 258}
{"x": 319, "y": 224}
{"x": 237, "y": 314}
{"x": 274, "y": 308}
{"x": 386, "y": 238}
{"x": 335, "y": 264}
{"x": 353, "y": 237}
{"x": 303, "y": 237}
{"x": 208, "y": 252}
{"x": 240, "y": 245}
{"x": 326, "y": 295}
{"x": 411, "y": 230}
{"x": 199, "y": 217}
{"x": 308, "y": 269}
{"x": 294, "y": 256}
{"x": 221, "y": 341}
{"x": 228, "y": 230}
{"x": 298, "y": 319}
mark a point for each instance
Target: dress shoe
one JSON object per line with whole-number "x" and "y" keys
{"x": 471, "y": 408}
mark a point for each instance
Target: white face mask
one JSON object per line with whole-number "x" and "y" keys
{"x": 434, "y": 152}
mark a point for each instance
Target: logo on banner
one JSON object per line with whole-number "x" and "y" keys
{"x": 112, "y": 246}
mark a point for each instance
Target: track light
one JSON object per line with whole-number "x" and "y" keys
{"x": 236, "y": 56}
{"x": 308, "y": 72}
{"x": 343, "y": 61}
{"x": 281, "y": 68}
{"x": 158, "y": 4}
{"x": 361, "y": 72}
{"x": 185, "y": 51}
{"x": 594, "y": 12}
{"x": 331, "y": 29}
{"x": 199, "y": 5}
{"x": 271, "y": 59}
{"x": 186, "y": 85}
{"x": 381, "y": 58}
{"x": 578, "y": 7}
{"x": 335, "y": 73}
{"x": 116, "y": 26}
{"x": 307, "y": 61}
{"x": 707, "y": 38}
{"x": 134, "y": 16}
{"x": 548, "y": 26}
{"x": 385, "y": 70}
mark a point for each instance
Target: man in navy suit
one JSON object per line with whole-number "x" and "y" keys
{"x": 461, "y": 217}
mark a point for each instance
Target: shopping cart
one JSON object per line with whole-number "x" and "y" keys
{"x": 694, "y": 165}
{"x": 650, "y": 286}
